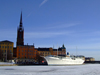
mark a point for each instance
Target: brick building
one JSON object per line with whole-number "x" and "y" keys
{"x": 26, "y": 53}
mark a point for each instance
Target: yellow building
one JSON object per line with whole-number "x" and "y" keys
{"x": 6, "y": 50}
{"x": 45, "y": 51}
{"x": 61, "y": 51}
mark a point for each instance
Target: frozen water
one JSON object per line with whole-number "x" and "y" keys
{"x": 87, "y": 69}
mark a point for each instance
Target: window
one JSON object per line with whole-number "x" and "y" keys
{"x": 19, "y": 53}
{"x": 22, "y": 50}
{"x": 22, "y": 53}
{"x": 25, "y": 50}
{"x": 8, "y": 46}
{"x": 5, "y": 50}
{"x": 5, "y": 47}
{"x": 25, "y": 53}
{"x": 2, "y": 46}
{"x": 19, "y": 50}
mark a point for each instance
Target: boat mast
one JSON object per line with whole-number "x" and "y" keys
{"x": 76, "y": 50}
{"x": 57, "y": 50}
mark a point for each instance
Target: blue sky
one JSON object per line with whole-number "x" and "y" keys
{"x": 48, "y": 23}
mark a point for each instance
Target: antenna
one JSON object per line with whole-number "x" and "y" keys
{"x": 53, "y": 46}
{"x": 76, "y": 50}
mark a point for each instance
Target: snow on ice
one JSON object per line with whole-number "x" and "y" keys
{"x": 86, "y": 69}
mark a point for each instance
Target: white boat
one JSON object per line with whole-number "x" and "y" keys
{"x": 60, "y": 60}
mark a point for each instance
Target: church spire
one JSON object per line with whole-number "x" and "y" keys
{"x": 21, "y": 20}
{"x": 20, "y": 33}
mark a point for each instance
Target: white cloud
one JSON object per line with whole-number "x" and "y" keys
{"x": 64, "y": 25}
{"x": 58, "y": 26}
{"x": 45, "y": 34}
{"x": 44, "y": 1}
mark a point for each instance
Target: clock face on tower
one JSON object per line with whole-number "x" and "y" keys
{"x": 20, "y": 30}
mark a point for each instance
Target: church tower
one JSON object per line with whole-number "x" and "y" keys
{"x": 20, "y": 33}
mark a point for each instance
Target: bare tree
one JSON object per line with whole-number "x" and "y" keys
{"x": 1, "y": 54}
{"x": 39, "y": 58}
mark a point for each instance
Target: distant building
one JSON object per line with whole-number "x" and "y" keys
{"x": 6, "y": 50}
{"x": 89, "y": 59}
{"x": 61, "y": 51}
{"x": 50, "y": 51}
{"x": 45, "y": 51}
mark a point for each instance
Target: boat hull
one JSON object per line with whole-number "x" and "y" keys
{"x": 63, "y": 61}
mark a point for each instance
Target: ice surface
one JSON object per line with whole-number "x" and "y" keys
{"x": 87, "y": 69}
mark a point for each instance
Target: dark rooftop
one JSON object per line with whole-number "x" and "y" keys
{"x": 59, "y": 49}
{"x": 43, "y": 49}
{"x": 6, "y": 41}
{"x": 26, "y": 45}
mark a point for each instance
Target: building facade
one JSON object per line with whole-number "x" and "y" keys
{"x": 6, "y": 50}
{"x": 45, "y": 51}
{"x": 61, "y": 51}
{"x": 26, "y": 53}
{"x": 50, "y": 51}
